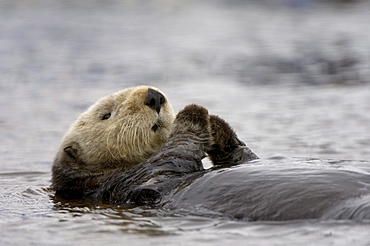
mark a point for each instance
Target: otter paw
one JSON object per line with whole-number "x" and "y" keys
{"x": 227, "y": 149}
{"x": 192, "y": 119}
{"x": 195, "y": 114}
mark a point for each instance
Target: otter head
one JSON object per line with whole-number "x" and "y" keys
{"x": 118, "y": 131}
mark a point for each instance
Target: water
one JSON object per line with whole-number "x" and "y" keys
{"x": 291, "y": 79}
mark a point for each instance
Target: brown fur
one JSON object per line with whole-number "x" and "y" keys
{"x": 178, "y": 162}
{"x": 94, "y": 145}
{"x": 129, "y": 142}
{"x": 178, "y": 158}
{"x": 227, "y": 148}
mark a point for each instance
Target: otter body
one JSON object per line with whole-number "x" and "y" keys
{"x": 279, "y": 189}
{"x": 170, "y": 174}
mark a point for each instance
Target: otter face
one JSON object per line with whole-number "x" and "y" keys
{"x": 120, "y": 130}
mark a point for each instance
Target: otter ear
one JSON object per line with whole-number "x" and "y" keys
{"x": 71, "y": 151}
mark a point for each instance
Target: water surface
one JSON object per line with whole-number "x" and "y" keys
{"x": 291, "y": 79}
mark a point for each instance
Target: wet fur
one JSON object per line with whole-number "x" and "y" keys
{"x": 179, "y": 157}
{"x": 227, "y": 149}
{"x": 94, "y": 146}
{"x": 173, "y": 178}
{"x": 178, "y": 161}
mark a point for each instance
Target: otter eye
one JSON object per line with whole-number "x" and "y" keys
{"x": 106, "y": 116}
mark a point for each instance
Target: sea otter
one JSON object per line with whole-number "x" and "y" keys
{"x": 239, "y": 186}
{"x": 126, "y": 128}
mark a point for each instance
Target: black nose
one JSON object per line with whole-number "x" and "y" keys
{"x": 154, "y": 99}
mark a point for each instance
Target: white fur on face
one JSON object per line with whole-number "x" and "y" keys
{"x": 126, "y": 137}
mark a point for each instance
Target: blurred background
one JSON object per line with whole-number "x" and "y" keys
{"x": 291, "y": 76}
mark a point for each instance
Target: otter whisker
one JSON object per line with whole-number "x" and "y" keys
{"x": 110, "y": 130}
{"x": 120, "y": 139}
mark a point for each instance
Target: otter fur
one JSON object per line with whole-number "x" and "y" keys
{"x": 191, "y": 137}
{"x": 172, "y": 177}
{"x": 117, "y": 132}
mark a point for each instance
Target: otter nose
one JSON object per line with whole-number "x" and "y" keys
{"x": 154, "y": 100}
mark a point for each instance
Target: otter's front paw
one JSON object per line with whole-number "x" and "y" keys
{"x": 227, "y": 149}
{"x": 194, "y": 114}
{"x": 192, "y": 119}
